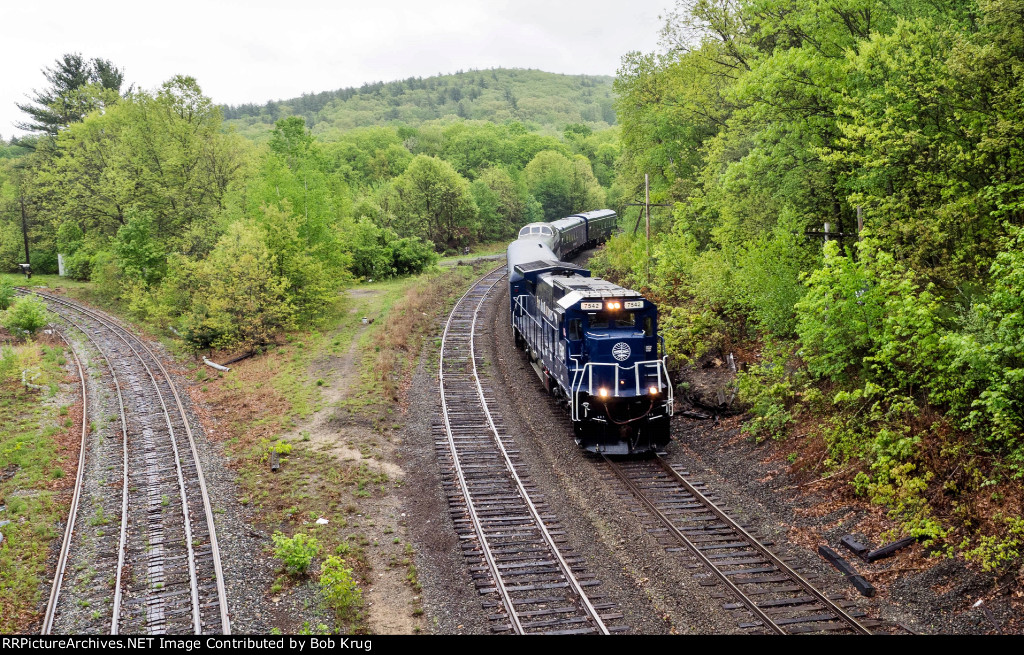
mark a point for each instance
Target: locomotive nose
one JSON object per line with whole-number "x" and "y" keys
{"x": 621, "y": 347}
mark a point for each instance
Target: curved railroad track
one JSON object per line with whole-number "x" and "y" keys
{"x": 62, "y": 558}
{"x": 776, "y": 597}
{"x": 514, "y": 547}
{"x": 168, "y": 577}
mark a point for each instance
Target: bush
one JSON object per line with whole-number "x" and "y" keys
{"x": 239, "y": 300}
{"x": 44, "y": 262}
{"x": 838, "y": 317}
{"x": 296, "y": 552}
{"x": 6, "y": 294}
{"x": 338, "y": 587}
{"x": 770, "y": 390}
{"x": 78, "y": 266}
{"x": 412, "y": 256}
{"x": 27, "y": 315}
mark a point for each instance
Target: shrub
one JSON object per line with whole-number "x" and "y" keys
{"x": 78, "y": 266}
{"x": 338, "y": 587}
{"x": 838, "y": 316}
{"x": 296, "y": 552}
{"x": 6, "y": 294}
{"x": 44, "y": 262}
{"x": 27, "y": 315}
{"x": 770, "y": 390}
{"x": 996, "y": 553}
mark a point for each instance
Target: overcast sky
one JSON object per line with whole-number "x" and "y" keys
{"x": 254, "y": 51}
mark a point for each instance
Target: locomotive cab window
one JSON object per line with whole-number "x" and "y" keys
{"x": 575, "y": 329}
{"x": 626, "y": 320}
{"x": 648, "y": 326}
{"x": 616, "y": 320}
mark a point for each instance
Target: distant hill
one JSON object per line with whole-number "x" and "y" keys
{"x": 546, "y": 102}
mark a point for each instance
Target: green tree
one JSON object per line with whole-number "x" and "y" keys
{"x": 504, "y": 204}
{"x": 239, "y": 300}
{"x": 77, "y": 87}
{"x": 549, "y": 176}
{"x": 159, "y": 152}
{"x": 436, "y": 203}
{"x": 139, "y": 254}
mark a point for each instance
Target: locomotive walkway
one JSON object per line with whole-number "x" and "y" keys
{"x": 146, "y": 559}
{"x": 515, "y": 547}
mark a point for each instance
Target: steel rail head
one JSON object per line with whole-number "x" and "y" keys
{"x": 563, "y": 565}
{"x": 69, "y": 529}
{"x": 840, "y": 613}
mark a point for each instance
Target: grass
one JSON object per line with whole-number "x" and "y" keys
{"x": 270, "y": 396}
{"x": 33, "y": 444}
{"x": 479, "y": 250}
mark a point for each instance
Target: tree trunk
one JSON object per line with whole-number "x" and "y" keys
{"x": 24, "y": 228}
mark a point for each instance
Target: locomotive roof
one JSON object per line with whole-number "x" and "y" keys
{"x": 583, "y": 288}
{"x": 529, "y": 267}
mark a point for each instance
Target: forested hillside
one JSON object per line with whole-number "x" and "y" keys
{"x": 542, "y": 101}
{"x": 193, "y": 228}
{"x": 901, "y": 349}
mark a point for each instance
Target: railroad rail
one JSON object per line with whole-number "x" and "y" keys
{"x": 515, "y": 547}
{"x": 62, "y": 559}
{"x": 778, "y": 598}
{"x": 168, "y": 577}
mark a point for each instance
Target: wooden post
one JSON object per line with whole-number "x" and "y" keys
{"x": 860, "y": 223}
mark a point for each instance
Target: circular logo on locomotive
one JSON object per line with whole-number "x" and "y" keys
{"x": 621, "y": 351}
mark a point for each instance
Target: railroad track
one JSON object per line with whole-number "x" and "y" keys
{"x": 168, "y": 577}
{"x": 515, "y": 547}
{"x": 771, "y": 594}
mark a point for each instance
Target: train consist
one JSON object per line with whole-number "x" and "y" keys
{"x": 594, "y": 344}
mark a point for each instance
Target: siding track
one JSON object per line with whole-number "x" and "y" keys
{"x": 168, "y": 576}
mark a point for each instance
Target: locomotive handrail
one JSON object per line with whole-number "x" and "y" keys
{"x": 586, "y": 372}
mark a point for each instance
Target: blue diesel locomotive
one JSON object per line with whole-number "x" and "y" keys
{"x": 594, "y": 344}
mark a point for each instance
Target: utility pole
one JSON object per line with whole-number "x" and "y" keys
{"x": 645, "y": 210}
{"x": 647, "y": 207}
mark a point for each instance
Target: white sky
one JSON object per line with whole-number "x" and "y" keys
{"x": 258, "y": 50}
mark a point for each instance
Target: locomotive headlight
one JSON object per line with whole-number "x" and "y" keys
{"x": 654, "y": 391}
{"x": 603, "y": 393}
